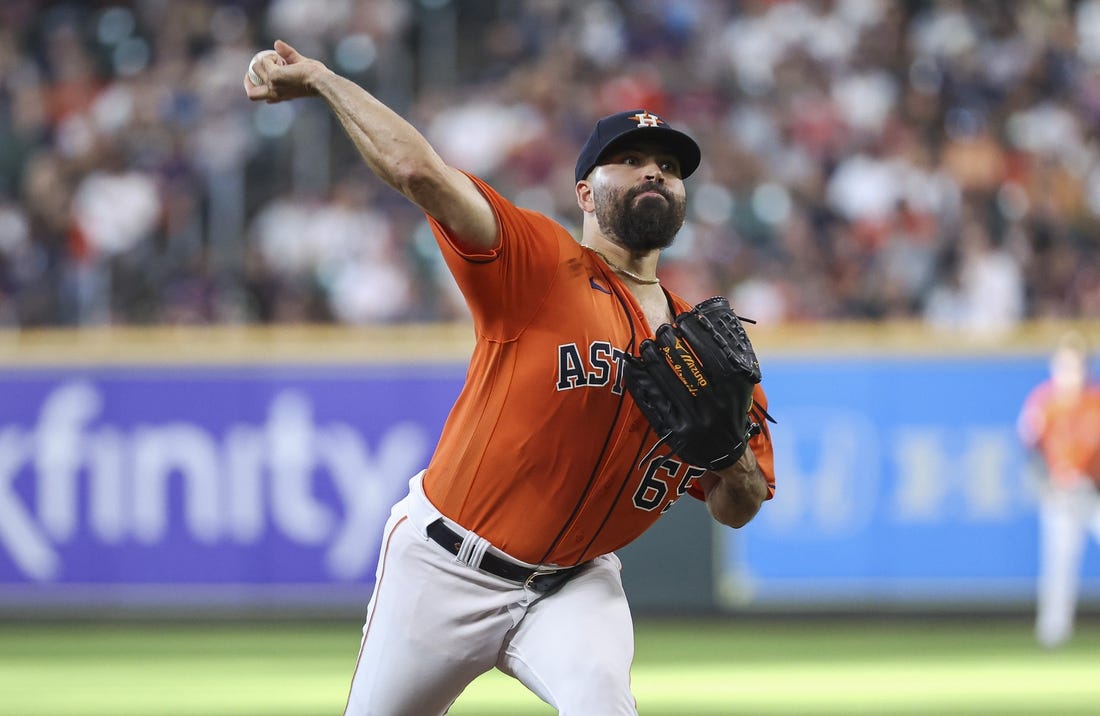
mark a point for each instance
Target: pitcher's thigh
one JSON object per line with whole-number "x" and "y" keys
{"x": 574, "y": 648}
{"x": 429, "y": 631}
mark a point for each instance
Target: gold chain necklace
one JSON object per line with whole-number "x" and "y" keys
{"x": 619, "y": 269}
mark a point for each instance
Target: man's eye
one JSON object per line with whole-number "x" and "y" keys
{"x": 630, "y": 160}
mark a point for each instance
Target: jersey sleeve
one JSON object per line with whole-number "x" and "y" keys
{"x": 761, "y": 443}
{"x": 1030, "y": 424}
{"x": 1092, "y": 461}
{"x": 504, "y": 286}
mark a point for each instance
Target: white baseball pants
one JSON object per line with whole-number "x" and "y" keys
{"x": 1066, "y": 516}
{"x": 434, "y": 624}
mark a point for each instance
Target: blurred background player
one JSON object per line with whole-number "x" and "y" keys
{"x": 1060, "y": 421}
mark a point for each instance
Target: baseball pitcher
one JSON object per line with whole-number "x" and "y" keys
{"x": 595, "y": 399}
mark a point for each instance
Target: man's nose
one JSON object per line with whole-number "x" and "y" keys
{"x": 653, "y": 171}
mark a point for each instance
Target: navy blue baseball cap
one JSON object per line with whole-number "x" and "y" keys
{"x": 616, "y": 130}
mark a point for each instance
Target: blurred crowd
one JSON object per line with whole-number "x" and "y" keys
{"x": 863, "y": 159}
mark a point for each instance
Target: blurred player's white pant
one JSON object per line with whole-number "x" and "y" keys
{"x": 1066, "y": 516}
{"x": 434, "y": 624}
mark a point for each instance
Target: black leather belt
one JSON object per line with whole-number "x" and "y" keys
{"x": 540, "y": 580}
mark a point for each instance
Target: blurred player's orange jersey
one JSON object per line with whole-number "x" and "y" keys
{"x": 1066, "y": 430}
{"x": 505, "y": 468}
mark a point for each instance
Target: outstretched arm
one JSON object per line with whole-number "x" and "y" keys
{"x": 392, "y": 148}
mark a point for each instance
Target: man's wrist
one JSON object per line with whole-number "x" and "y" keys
{"x": 745, "y": 465}
{"x": 321, "y": 81}
{"x": 744, "y": 476}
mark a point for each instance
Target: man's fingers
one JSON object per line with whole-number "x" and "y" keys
{"x": 278, "y": 74}
{"x": 257, "y": 80}
{"x": 287, "y": 52}
{"x": 257, "y": 94}
{"x": 256, "y": 75}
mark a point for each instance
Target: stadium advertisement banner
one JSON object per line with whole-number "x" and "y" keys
{"x": 178, "y": 483}
{"x": 900, "y": 480}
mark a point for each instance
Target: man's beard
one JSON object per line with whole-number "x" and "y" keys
{"x": 642, "y": 226}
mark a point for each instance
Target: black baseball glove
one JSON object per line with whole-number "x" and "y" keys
{"x": 694, "y": 384}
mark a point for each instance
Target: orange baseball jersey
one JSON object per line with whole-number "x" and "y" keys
{"x": 1066, "y": 430}
{"x": 541, "y": 452}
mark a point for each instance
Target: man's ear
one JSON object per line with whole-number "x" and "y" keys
{"x": 584, "y": 196}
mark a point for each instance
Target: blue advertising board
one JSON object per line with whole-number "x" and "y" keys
{"x": 198, "y": 484}
{"x": 898, "y": 480}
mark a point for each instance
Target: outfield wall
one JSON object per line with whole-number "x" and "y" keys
{"x": 253, "y": 470}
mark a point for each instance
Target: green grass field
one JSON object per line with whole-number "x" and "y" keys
{"x": 741, "y": 666}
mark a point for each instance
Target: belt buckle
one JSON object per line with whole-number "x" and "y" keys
{"x": 536, "y": 574}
